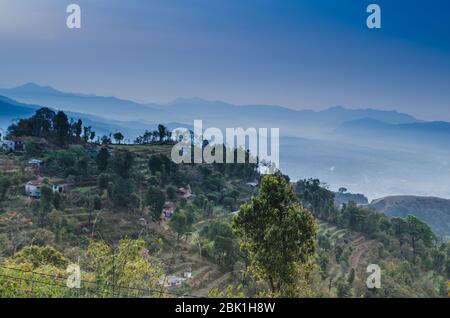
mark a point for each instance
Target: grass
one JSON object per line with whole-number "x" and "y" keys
{"x": 83, "y": 190}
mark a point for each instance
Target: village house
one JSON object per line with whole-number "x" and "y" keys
{"x": 35, "y": 162}
{"x": 185, "y": 193}
{"x": 188, "y": 273}
{"x": 60, "y": 188}
{"x": 253, "y": 184}
{"x": 33, "y": 188}
{"x": 173, "y": 281}
{"x": 169, "y": 209}
{"x": 16, "y": 145}
{"x": 34, "y": 165}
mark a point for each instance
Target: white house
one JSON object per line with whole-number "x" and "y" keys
{"x": 173, "y": 281}
{"x": 252, "y": 184}
{"x": 187, "y": 273}
{"x": 61, "y": 188}
{"x": 33, "y": 189}
{"x": 35, "y": 162}
{"x": 17, "y": 145}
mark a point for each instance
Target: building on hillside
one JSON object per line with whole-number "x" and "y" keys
{"x": 35, "y": 165}
{"x": 188, "y": 273}
{"x": 33, "y": 188}
{"x": 173, "y": 281}
{"x": 16, "y": 145}
{"x": 60, "y": 188}
{"x": 35, "y": 162}
{"x": 253, "y": 184}
{"x": 185, "y": 193}
{"x": 169, "y": 209}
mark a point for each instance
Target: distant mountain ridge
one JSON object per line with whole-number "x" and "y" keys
{"x": 300, "y": 123}
{"x": 108, "y": 107}
{"x": 313, "y": 144}
{"x": 435, "y": 133}
{"x": 11, "y": 110}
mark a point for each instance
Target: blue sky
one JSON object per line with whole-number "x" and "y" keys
{"x": 300, "y": 54}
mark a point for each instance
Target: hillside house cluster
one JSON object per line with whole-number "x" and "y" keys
{"x": 170, "y": 207}
{"x": 15, "y": 145}
{"x": 33, "y": 188}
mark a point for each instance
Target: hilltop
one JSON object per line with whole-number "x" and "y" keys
{"x": 434, "y": 211}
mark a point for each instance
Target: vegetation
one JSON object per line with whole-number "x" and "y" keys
{"x": 138, "y": 225}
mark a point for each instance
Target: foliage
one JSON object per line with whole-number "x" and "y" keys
{"x": 155, "y": 199}
{"x": 278, "y": 233}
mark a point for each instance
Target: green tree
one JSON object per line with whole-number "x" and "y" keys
{"x": 118, "y": 137}
{"x": 155, "y": 199}
{"x": 5, "y": 184}
{"x": 123, "y": 162}
{"x": 103, "y": 180}
{"x": 178, "y": 224}
{"x": 102, "y": 159}
{"x": 343, "y": 288}
{"x": 226, "y": 249}
{"x": 57, "y": 200}
{"x": 128, "y": 264}
{"x": 315, "y": 197}
{"x": 86, "y": 133}
{"x": 62, "y": 126}
{"x": 78, "y": 128}
{"x": 279, "y": 235}
{"x": 46, "y": 203}
{"x": 162, "y": 132}
{"x": 171, "y": 192}
{"x": 419, "y": 230}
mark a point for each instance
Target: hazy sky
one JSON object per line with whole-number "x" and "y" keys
{"x": 301, "y": 54}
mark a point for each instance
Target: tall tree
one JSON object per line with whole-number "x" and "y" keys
{"x": 419, "y": 230}
{"x": 102, "y": 159}
{"x": 178, "y": 224}
{"x": 118, "y": 137}
{"x": 155, "y": 199}
{"x": 46, "y": 203}
{"x": 123, "y": 163}
{"x": 62, "y": 127}
{"x": 77, "y": 128}
{"x": 162, "y": 132}
{"x": 279, "y": 235}
{"x": 86, "y": 133}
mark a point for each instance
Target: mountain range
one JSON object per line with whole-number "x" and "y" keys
{"x": 297, "y": 123}
{"x": 377, "y": 153}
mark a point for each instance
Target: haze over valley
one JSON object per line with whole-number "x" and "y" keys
{"x": 374, "y": 152}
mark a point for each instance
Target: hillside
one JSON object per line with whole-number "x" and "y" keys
{"x": 434, "y": 211}
{"x": 397, "y": 156}
{"x": 68, "y": 198}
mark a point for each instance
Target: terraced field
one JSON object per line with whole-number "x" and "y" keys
{"x": 355, "y": 252}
